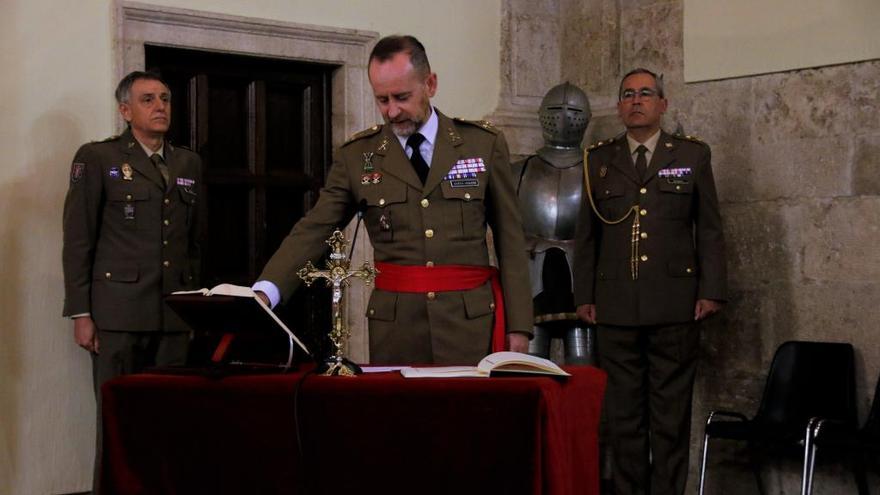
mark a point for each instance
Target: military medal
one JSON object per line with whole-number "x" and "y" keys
{"x": 368, "y": 161}
{"x": 128, "y": 210}
{"x": 126, "y": 172}
{"x": 373, "y": 178}
{"x": 114, "y": 172}
{"x": 385, "y": 222}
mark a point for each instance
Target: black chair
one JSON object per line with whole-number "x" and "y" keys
{"x": 859, "y": 442}
{"x": 806, "y": 380}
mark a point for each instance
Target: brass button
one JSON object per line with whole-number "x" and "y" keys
{"x": 643, "y": 235}
{"x": 128, "y": 197}
{"x": 678, "y": 188}
{"x": 643, "y": 190}
{"x": 429, "y": 264}
{"x": 167, "y": 201}
{"x": 467, "y": 196}
{"x": 166, "y": 263}
{"x": 607, "y": 192}
{"x": 372, "y": 311}
{"x": 431, "y": 296}
{"x": 492, "y": 306}
{"x": 424, "y": 203}
{"x": 429, "y": 233}
{"x": 164, "y": 243}
{"x": 166, "y": 222}
{"x": 382, "y": 202}
{"x": 690, "y": 270}
{"x": 643, "y": 212}
{"x": 644, "y": 257}
{"x": 108, "y": 275}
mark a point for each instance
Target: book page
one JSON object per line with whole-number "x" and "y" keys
{"x": 443, "y": 372}
{"x": 231, "y": 290}
{"x": 519, "y": 362}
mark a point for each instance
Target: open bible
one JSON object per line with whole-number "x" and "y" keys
{"x": 232, "y": 310}
{"x": 504, "y": 363}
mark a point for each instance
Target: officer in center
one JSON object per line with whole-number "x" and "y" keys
{"x": 428, "y": 186}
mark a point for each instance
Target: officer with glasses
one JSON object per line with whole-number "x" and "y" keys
{"x": 649, "y": 266}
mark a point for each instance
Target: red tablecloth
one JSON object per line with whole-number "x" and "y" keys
{"x": 377, "y": 433}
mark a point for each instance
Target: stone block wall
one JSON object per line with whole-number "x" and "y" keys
{"x": 796, "y": 157}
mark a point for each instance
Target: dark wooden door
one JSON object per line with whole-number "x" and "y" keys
{"x": 262, "y": 128}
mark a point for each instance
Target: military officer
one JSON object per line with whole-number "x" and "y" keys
{"x": 427, "y": 187}
{"x": 130, "y": 237}
{"x": 649, "y": 264}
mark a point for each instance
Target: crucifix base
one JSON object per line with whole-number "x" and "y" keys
{"x": 334, "y": 366}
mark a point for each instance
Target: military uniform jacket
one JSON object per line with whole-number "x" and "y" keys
{"x": 441, "y": 222}
{"x": 680, "y": 244}
{"x": 127, "y": 241}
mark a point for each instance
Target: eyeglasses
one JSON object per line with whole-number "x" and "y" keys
{"x": 630, "y": 94}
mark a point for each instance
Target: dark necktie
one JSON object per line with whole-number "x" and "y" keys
{"x": 159, "y": 162}
{"x": 418, "y": 163}
{"x": 641, "y": 161}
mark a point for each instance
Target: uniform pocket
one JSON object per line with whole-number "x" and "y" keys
{"x": 681, "y": 267}
{"x": 116, "y": 272}
{"x": 386, "y": 210}
{"x": 676, "y": 197}
{"x": 128, "y": 203}
{"x": 469, "y": 200}
{"x": 478, "y": 302}
{"x": 382, "y": 306}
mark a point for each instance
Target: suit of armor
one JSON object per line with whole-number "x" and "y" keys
{"x": 549, "y": 191}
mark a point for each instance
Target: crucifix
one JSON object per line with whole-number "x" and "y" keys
{"x": 338, "y": 275}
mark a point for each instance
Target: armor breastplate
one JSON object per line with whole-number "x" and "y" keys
{"x": 549, "y": 199}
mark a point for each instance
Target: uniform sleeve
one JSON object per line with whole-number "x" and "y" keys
{"x": 585, "y": 242}
{"x": 709, "y": 235}
{"x": 506, "y": 222}
{"x": 82, "y": 211}
{"x": 306, "y": 241}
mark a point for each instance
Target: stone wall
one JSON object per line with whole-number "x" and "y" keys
{"x": 797, "y": 164}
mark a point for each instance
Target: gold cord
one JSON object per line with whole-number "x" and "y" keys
{"x": 634, "y": 241}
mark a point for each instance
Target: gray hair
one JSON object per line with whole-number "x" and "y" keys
{"x": 658, "y": 81}
{"x": 123, "y": 89}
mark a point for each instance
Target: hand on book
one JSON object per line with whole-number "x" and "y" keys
{"x": 263, "y": 297}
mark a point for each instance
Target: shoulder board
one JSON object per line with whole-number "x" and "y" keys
{"x": 693, "y": 139}
{"x": 600, "y": 144}
{"x": 179, "y": 147}
{"x": 364, "y": 133}
{"x": 107, "y": 140}
{"x": 482, "y": 124}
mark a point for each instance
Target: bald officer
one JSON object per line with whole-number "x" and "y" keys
{"x": 428, "y": 187}
{"x": 649, "y": 265}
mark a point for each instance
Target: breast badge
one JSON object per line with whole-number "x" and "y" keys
{"x": 127, "y": 173}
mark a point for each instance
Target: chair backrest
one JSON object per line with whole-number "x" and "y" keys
{"x": 872, "y": 425}
{"x": 808, "y": 379}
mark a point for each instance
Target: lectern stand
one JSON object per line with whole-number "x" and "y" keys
{"x": 235, "y": 322}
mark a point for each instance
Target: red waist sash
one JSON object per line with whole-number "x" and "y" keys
{"x": 443, "y": 278}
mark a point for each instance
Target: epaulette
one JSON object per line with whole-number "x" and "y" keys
{"x": 364, "y": 133}
{"x": 482, "y": 124}
{"x": 174, "y": 146}
{"x": 107, "y": 140}
{"x": 600, "y": 144}
{"x": 693, "y": 139}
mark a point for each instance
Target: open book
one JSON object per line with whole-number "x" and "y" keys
{"x": 496, "y": 364}
{"x": 237, "y": 311}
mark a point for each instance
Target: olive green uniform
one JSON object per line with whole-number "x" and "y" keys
{"x": 129, "y": 241}
{"x": 439, "y": 223}
{"x": 645, "y": 296}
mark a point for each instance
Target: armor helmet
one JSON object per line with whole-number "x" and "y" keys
{"x": 564, "y": 115}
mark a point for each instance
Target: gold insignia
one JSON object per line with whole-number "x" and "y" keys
{"x": 453, "y": 136}
{"x": 130, "y": 144}
{"x": 603, "y": 171}
{"x": 668, "y": 145}
{"x": 383, "y": 145}
{"x": 126, "y": 171}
